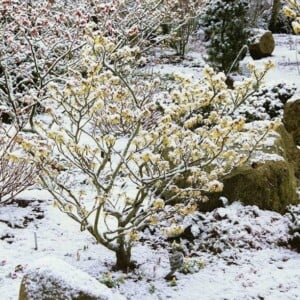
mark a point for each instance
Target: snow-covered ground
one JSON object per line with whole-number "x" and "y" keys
{"x": 255, "y": 266}
{"x": 286, "y": 56}
{"x": 257, "y": 269}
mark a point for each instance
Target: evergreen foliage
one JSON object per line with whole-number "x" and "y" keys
{"x": 225, "y": 25}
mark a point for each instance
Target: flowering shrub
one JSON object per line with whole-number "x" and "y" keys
{"x": 149, "y": 23}
{"x": 118, "y": 142}
{"x": 17, "y": 170}
{"x": 38, "y": 45}
{"x": 180, "y": 20}
{"x": 292, "y": 10}
{"x": 128, "y": 22}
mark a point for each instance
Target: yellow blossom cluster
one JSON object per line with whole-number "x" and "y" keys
{"x": 292, "y": 10}
{"x": 17, "y": 168}
{"x": 158, "y": 204}
{"x": 174, "y": 231}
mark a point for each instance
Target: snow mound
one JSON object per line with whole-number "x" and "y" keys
{"x": 52, "y": 278}
{"x": 231, "y": 230}
{"x": 241, "y": 227}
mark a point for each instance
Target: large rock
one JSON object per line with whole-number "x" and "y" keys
{"x": 269, "y": 183}
{"x": 291, "y": 119}
{"x": 263, "y": 45}
{"x": 53, "y": 279}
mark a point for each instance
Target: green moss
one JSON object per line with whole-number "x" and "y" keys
{"x": 291, "y": 119}
{"x": 270, "y": 185}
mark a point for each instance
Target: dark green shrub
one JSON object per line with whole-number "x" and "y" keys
{"x": 225, "y": 26}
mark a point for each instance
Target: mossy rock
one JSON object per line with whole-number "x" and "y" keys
{"x": 286, "y": 144}
{"x": 263, "y": 46}
{"x": 291, "y": 119}
{"x": 291, "y": 151}
{"x": 270, "y": 185}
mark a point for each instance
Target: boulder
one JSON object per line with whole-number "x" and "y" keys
{"x": 291, "y": 119}
{"x": 270, "y": 180}
{"x": 270, "y": 185}
{"x": 262, "y": 45}
{"x": 293, "y": 214}
{"x": 52, "y": 278}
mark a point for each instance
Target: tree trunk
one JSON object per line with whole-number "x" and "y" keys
{"x": 275, "y": 12}
{"x": 123, "y": 256}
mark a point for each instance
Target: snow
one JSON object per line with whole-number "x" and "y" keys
{"x": 262, "y": 269}
{"x": 236, "y": 273}
{"x": 49, "y": 271}
{"x": 14, "y": 216}
{"x": 286, "y": 58}
{"x": 34, "y": 195}
{"x": 256, "y": 276}
{"x": 57, "y": 236}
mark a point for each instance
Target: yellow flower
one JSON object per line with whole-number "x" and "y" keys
{"x": 238, "y": 124}
{"x": 230, "y": 155}
{"x": 208, "y": 71}
{"x": 133, "y": 235}
{"x": 153, "y": 220}
{"x": 146, "y": 157}
{"x": 191, "y": 208}
{"x": 215, "y": 186}
{"x": 12, "y": 157}
{"x": 296, "y": 26}
{"x": 289, "y": 12}
{"x": 99, "y": 41}
{"x": 158, "y": 203}
{"x": 176, "y": 96}
{"x": 115, "y": 119}
{"x": 269, "y": 64}
{"x": 251, "y": 67}
{"x": 213, "y": 117}
{"x": 174, "y": 230}
{"x": 274, "y": 124}
{"x": 109, "y": 140}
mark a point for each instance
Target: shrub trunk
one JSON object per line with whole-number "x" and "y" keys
{"x": 123, "y": 259}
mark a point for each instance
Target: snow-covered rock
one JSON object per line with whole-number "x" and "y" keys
{"x": 52, "y": 278}
{"x": 263, "y": 44}
{"x": 238, "y": 227}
